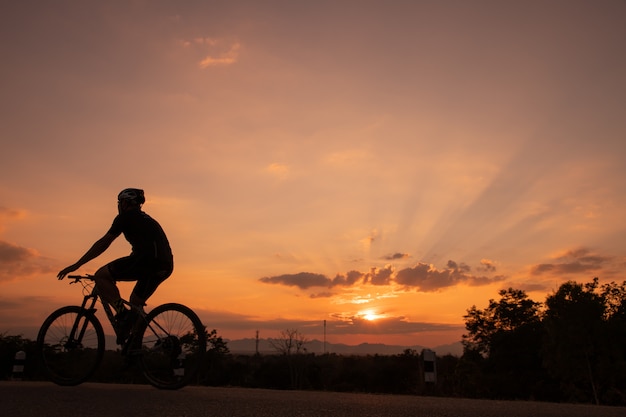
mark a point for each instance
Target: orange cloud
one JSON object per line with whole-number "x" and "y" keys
{"x": 17, "y": 262}
{"x": 421, "y": 277}
{"x": 10, "y": 214}
{"x": 396, "y": 256}
{"x": 572, "y": 262}
{"x": 223, "y": 59}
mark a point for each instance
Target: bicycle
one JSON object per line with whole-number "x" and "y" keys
{"x": 168, "y": 343}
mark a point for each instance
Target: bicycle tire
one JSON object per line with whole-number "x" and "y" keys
{"x": 173, "y": 344}
{"x": 70, "y": 360}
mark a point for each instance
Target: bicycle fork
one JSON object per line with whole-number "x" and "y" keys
{"x": 81, "y": 327}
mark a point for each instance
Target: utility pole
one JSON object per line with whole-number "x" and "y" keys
{"x": 324, "y": 337}
{"x": 257, "y": 343}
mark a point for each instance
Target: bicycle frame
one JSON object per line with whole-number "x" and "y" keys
{"x": 89, "y": 306}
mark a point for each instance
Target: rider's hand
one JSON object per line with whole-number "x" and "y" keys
{"x": 66, "y": 271}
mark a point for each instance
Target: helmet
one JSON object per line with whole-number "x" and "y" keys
{"x": 132, "y": 194}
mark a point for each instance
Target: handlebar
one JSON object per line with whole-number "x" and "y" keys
{"x": 78, "y": 278}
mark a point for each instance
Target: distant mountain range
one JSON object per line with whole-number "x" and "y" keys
{"x": 248, "y": 346}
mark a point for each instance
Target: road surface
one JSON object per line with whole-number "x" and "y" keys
{"x": 34, "y": 399}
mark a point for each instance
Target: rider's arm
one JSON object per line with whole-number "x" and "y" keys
{"x": 96, "y": 250}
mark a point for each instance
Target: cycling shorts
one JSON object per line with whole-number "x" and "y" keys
{"x": 148, "y": 273}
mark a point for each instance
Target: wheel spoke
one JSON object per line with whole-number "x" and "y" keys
{"x": 71, "y": 345}
{"x": 173, "y": 346}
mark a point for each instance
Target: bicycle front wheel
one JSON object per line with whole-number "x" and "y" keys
{"x": 173, "y": 343}
{"x": 70, "y": 345}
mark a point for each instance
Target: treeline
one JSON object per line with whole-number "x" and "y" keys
{"x": 391, "y": 374}
{"x": 570, "y": 348}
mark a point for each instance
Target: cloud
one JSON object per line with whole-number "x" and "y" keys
{"x": 348, "y": 279}
{"x": 226, "y": 320}
{"x": 9, "y": 214}
{"x": 356, "y": 324}
{"x": 425, "y": 277}
{"x": 301, "y": 280}
{"x": 572, "y": 262}
{"x": 214, "y": 52}
{"x": 17, "y": 262}
{"x": 10, "y": 253}
{"x": 337, "y": 323}
{"x": 278, "y": 170}
{"x": 487, "y": 265}
{"x": 6, "y": 212}
{"x": 202, "y": 41}
{"x": 226, "y": 58}
{"x": 421, "y": 277}
{"x": 458, "y": 267}
{"x": 322, "y": 295}
{"x": 369, "y": 240}
{"x": 381, "y": 276}
{"x": 396, "y": 256}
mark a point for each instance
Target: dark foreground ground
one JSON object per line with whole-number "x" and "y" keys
{"x": 31, "y": 399}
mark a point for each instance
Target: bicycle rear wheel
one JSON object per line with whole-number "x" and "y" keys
{"x": 70, "y": 345}
{"x": 173, "y": 343}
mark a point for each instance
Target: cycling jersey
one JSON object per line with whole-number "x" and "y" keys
{"x": 151, "y": 260}
{"x": 144, "y": 234}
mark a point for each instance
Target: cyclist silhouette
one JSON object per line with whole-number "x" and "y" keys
{"x": 150, "y": 262}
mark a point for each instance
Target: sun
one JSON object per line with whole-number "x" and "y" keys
{"x": 369, "y": 315}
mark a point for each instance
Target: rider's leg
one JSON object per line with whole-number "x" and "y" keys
{"x": 146, "y": 286}
{"x": 108, "y": 289}
{"x": 137, "y": 300}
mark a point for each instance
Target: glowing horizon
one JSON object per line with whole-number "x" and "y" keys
{"x": 381, "y": 167}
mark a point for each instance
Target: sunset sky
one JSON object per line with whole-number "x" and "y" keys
{"x": 381, "y": 165}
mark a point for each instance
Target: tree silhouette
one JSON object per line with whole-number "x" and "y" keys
{"x": 290, "y": 342}
{"x": 584, "y": 339}
{"x": 290, "y": 345}
{"x": 511, "y": 313}
{"x": 504, "y": 342}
